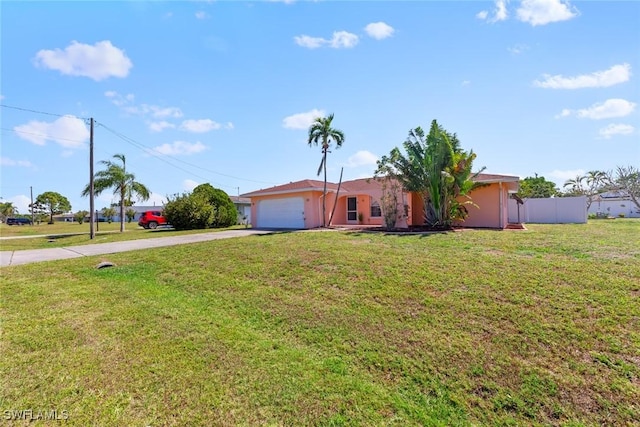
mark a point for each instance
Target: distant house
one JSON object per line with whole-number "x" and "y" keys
{"x": 614, "y": 203}
{"x": 243, "y": 206}
{"x": 298, "y": 205}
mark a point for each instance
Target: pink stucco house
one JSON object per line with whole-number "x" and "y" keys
{"x": 298, "y": 205}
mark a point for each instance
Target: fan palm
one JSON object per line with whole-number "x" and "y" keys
{"x": 123, "y": 183}
{"x": 321, "y": 132}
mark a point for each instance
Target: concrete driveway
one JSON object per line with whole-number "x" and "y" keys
{"x": 29, "y": 256}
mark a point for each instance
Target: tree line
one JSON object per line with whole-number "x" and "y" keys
{"x": 624, "y": 179}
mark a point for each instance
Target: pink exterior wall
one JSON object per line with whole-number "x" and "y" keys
{"x": 363, "y": 206}
{"x": 492, "y": 207}
{"x": 312, "y": 207}
{"x": 491, "y": 210}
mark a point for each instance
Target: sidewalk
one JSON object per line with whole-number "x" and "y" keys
{"x": 29, "y": 256}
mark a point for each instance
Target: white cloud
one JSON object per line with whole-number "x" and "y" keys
{"x": 616, "y": 129}
{"x": 199, "y": 126}
{"x": 517, "y": 49}
{"x": 608, "y": 109}
{"x": 201, "y": 14}
{"x": 67, "y": 131}
{"x": 501, "y": 11}
{"x": 5, "y": 161}
{"x": 344, "y": 39}
{"x": 118, "y": 99}
{"x": 162, "y": 112}
{"x": 302, "y": 120}
{"x": 180, "y": 147}
{"x": 564, "y": 113}
{"x": 160, "y": 126}
{"x": 98, "y": 62}
{"x": 499, "y": 14}
{"x": 379, "y": 30}
{"x": 189, "y": 184}
{"x": 361, "y": 158}
{"x": 155, "y": 199}
{"x": 340, "y": 39}
{"x": 613, "y": 76}
{"x": 309, "y": 42}
{"x": 466, "y": 82}
{"x": 20, "y": 202}
{"x": 542, "y": 12}
{"x": 560, "y": 176}
{"x": 126, "y": 103}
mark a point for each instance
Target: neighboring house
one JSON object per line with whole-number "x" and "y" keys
{"x": 614, "y": 203}
{"x": 243, "y": 206}
{"x": 298, "y": 205}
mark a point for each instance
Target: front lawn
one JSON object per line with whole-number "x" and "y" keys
{"x": 71, "y": 234}
{"x": 537, "y": 327}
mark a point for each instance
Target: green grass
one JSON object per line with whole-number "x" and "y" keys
{"x": 60, "y": 235}
{"x": 538, "y": 327}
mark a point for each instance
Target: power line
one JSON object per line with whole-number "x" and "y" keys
{"x": 153, "y": 152}
{"x": 40, "y": 112}
{"x": 42, "y": 135}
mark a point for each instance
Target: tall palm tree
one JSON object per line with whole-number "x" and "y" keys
{"x": 123, "y": 183}
{"x": 321, "y": 132}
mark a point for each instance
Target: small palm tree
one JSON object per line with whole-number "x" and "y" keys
{"x": 6, "y": 210}
{"x": 321, "y": 132}
{"x": 123, "y": 183}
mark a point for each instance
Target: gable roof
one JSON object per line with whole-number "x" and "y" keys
{"x": 240, "y": 200}
{"x": 293, "y": 187}
{"x": 355, "y": 186}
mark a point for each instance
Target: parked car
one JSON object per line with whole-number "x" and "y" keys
{"x": 18, "y": 221}
{"x": 152, "y": 219}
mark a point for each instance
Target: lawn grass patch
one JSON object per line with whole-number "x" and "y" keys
{"x": 41, "y": 237}
{"x": 537, "y": 327}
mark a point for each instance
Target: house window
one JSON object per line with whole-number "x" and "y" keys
{"x": 376, "y": 212}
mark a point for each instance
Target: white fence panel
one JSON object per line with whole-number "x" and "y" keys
{"x": 556, "y": 210}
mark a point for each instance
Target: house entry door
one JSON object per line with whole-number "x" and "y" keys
{"x": 352, "y": 209}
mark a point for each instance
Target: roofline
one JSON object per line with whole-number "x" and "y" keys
{"x": 267, "y": 192}
{"x": 291, "y": 190}
{"x": 503, "y": 178}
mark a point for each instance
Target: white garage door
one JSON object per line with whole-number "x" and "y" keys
{"x": 281, "y": 213}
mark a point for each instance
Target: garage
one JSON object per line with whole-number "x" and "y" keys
{"x": 286, "y": 212}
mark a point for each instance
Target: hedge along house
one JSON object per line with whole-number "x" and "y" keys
{"x": 298, "y": 205}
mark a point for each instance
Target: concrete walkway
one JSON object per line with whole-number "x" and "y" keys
{"x": 29, "y": 256}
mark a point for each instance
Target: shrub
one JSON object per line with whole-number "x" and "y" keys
{"x": 225, "y": 213}
{"x": 80, "y": 216}
{"x": 620, "y": 215}
{"x": 206, "y": 207}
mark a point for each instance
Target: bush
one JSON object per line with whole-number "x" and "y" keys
{"x": 620, "y": 215}
{"x": 225, "y": 213}
{"x": 80, "y": 216}
{"x": 206, "y": 207}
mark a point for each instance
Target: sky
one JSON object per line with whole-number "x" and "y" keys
{"x": 224, "y": 92}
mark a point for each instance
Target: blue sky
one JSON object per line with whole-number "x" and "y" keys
{"x": 224, "y": 92}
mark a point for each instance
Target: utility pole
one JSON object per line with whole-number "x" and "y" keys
{"x": 33, "y": 219}
{"x": 92, "y": 233}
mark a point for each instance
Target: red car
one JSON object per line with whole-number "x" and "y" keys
{"x": 152, "y": 219}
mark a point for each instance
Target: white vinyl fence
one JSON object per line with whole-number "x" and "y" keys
{"x": 555, "y": 210}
